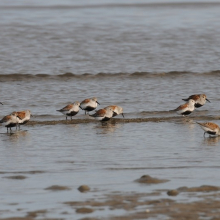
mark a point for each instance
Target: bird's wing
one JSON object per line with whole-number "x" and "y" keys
{"x": 181, "y": 107}
{"x": 194, "y": 97}
{"x": 5, "y": 119}
{"x": 67, "y": 108}
{"x": 21, "y": 114}
{"x": 209, "y": 125}
{"x": 99, "y": 113}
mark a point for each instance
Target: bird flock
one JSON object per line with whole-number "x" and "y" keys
{"x": 197, "y": 101}
{"x": 89, "y": 105}
{"x": 15, "y": 119}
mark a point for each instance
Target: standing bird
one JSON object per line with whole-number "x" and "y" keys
{"x": 89, "y": 104}
{"x": 186, "y": 108}
{"x": 23, "y": 117}
{"x": 103, "y": 114}
{"x": 200, "y": 99}
{"x": 10, "y": 121}
{"x": 117, "y": 110}
{"x": 210, "y": 128}
{"x": 70, "y": 110}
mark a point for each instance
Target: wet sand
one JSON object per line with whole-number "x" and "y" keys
{"x": 125, "y": 120}
{"x": 207, "y": 206}
{"x": 145, "y": 205}
{"x": 164, "y": 208}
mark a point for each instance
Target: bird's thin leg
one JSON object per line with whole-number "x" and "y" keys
{"x": 204, "y": 134}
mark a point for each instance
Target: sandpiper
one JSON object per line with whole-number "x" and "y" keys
{"x": 70, "y": 110}
{"x": 200, "y": 99}
{"x": 117, "y": 110}
{"x": 23, "y": 117}
{"x": 186, "y": 108}
{"x": 89, "y": 104}
{"x": 210, "y": 128}
{"x": 103, "y": 114}
{"x": 10, "y": 121}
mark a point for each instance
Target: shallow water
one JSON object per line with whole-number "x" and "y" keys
{"x": 144, "y": 56}
{"x": 105, "y": 157}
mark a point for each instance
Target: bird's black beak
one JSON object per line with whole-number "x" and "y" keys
{"x": 123, "y": 115}
{"x": 1, "y": 103}
{"x": 80, "y": 107}
{"x": 98, "y": 102}
{"x": 208, "y": 100}
{"x": 32, "y": 116}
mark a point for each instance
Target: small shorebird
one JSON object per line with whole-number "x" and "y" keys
{"x": 117, "y": 110}
{"x": 89, "y": 104}
{"x": 10, "y": 121}
{"x": 70, "y": 110}
{"x": 200, "y": 99}
{"x": 23, "y": 117}
{"x": 103, "y": 114}
{"x": 186, "y": 108}
{"x": 210, "y": 128}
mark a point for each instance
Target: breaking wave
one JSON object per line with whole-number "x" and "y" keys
{"x": 69, "y": 75}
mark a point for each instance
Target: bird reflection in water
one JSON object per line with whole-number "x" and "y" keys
{"x": 211, "y": 141}
{"x": 17, "y": 135}
{"x": 106, "y": 127}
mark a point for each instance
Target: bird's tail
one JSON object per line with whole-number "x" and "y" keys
{"x": 173, "y": 110}
{"x": 185, "y": 100}
{"x": 2, "y": 121}
{"x": 93, "y": 115}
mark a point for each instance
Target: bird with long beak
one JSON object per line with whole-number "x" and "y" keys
{"x": 10, "y": 121}
{"x": 89, "y": 104}
{"x": 210, "y": 128}
{"x": 117, "y": 110}
{"x": 200, "y": 99}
